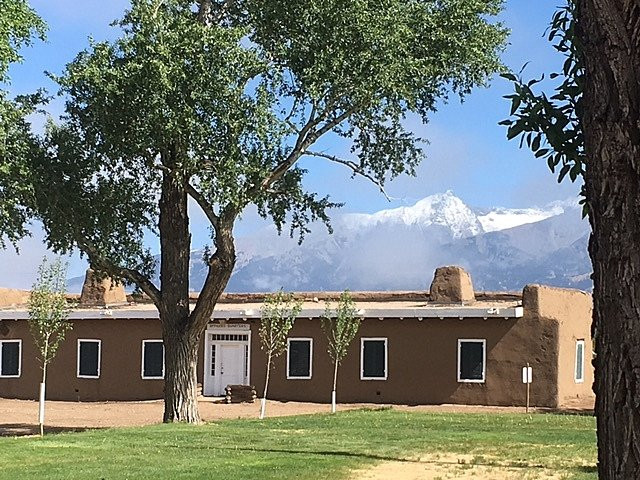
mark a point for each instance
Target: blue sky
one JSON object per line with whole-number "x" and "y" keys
{"x": 468, "y": 151}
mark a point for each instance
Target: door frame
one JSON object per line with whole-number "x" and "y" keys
{"x": 231, "y": 329}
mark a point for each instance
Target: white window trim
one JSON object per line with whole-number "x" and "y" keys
{"x": 94, "y": 340}
{"x": 484, "y": 359}
{"x": 386, "y": 357}
{"x": 300, "y": 339}
{"x": 151, "y": 340}
{"x": 19, "y": 342}
{"x": 581, "y": 378}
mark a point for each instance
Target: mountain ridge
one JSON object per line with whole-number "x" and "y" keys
{"x": 398, "y": 249}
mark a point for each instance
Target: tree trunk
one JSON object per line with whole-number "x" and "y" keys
{"x": 43, "y": 393}
{"x": 333, "y": 392}
{"x": 263, "y": 402}
{"x": 180, "y": 339}
{"x": 609, "y": 32}
{"x": 180, "y": 385}
{"x": 181, "y": 327}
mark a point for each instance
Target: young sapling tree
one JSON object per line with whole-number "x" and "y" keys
{"x": 278, "y": 313}
{"x": 48, "y": 319}
{"x": 340, "y": 326}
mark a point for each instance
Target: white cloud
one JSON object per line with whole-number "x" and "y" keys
{"x": 19, "y": 269}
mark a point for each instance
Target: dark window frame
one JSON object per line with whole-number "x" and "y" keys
{"x": 142, "y": 371}
{"x": 364, "y": 340}
{"x": 89, "y": 340}
{"x": 300, "y": 339}
{"x": 19, "y": 342}
{"x": 481, "y": 341}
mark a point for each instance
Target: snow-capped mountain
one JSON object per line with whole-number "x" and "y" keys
{"x": 504, "y": 218}
{"x": 399, "y": 248}
{"x": 445, "y": 210}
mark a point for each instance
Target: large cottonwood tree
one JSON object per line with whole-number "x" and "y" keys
{"x": 590, "y": 128}
{"x": 216, "y": 102}
{"x": 19, "y": 25}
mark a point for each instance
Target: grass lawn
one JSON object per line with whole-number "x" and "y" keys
{"x": 306, "y": 447}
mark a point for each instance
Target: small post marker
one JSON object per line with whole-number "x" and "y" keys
{"x": 527, "y": 378}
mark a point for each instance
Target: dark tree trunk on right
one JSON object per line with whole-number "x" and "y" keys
{"x": 609, "y": 32}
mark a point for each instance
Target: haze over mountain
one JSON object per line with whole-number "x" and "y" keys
{"x": 503, "y": 249}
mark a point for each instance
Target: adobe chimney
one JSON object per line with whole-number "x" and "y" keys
{"x": 451, "y": 284}
{"x": 98, "y": 292}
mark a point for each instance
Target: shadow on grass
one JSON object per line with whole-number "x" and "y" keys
{"x": 386, "y": 458}
{"x": 29, "y": 429}
{"x": 587, "y": 469}
{"x": 581, "y": 412}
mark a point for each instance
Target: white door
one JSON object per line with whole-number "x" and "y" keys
{"x": 231, "y": 365}
{"x": 226, "y": 361}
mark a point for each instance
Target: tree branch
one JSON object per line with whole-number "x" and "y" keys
{"x": 355, "y": 168}
{"x": 294, "y": 109}
{"x": 305, "y": 140}
{"x": 204, "y": 205}
{"x": 204, "y": 12}
{"x": 221, "y": 267}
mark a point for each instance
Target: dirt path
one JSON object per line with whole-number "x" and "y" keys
{"x": 19, "y": 417}
{"x": 450, "y": 467}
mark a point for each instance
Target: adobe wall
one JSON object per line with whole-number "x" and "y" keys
{"x": 120, "y": 365}
{"x": 422, "y": 359}
{"x": 11, "y": 297}
{"x": 422, "y": 363}
{"x": 572, "y": 311}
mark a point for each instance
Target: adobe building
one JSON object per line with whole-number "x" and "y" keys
{"x": 452, "y": 345}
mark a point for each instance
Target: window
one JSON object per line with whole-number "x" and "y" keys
{"x": 579, "y": 373}
{"x": 213, "y": 360}
{"x": 10, "y": 361}
{"x": 471, "y": 360}
{"x": 152, "y": 359}
{"x": 373, "y": 359}
{"x": 229, "y": 337}
{"x": 299, "y": 355}
{"x": 246, "y": 361}
{"x": 89, "y": 358}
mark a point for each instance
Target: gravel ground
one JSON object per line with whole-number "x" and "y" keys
{"x": 19, "y": 417}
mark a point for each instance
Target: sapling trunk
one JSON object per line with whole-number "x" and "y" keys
{"x": 41, "y": 402}
{"x": 333, "y": 392}
{"x": 263, "y": 402}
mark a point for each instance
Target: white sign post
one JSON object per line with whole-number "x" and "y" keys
{"x": 527, "y": 378}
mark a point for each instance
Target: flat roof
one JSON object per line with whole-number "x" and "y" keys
{"x": 503, "y": 308}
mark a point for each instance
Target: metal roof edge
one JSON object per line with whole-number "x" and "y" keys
{"x": 417, "y": 312}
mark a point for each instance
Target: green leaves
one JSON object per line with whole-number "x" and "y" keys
{"x": 551, "y": 127}
{"x": 19, "y": 24}
{"x": 278, "y": 313}
{"x": 49, "y": 309}
{"x": 341, "y": 325}
{"x": 224, "y": 99}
